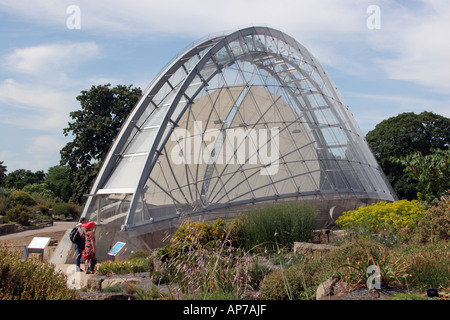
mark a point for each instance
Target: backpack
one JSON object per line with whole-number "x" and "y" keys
{"x": 74, "y": 235}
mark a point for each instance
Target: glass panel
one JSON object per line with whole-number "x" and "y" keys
{"x": 143, "y": 141}
{"x": 157, "y": 116}
{"x": 127, "y": 173}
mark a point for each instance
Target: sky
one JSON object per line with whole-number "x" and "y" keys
{"x": 385, "y": 56}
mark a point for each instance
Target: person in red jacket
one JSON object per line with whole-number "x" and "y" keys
{"x": 89, "y": 247}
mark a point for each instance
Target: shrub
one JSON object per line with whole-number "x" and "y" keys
{"x": 297, "y": 282}
{"x": 383, "y": 218}
{"x": 31, "y": 279}
{"x": 4, "y": 204}
{"x": 4, "y": 192}
{"x": 123, "y": 267}
{"x": 353, "y": 260}
{"x": 20, "y": 214}
{"x": 19, "y": 197}
{"x": 139, "y": 254}
{"x": 277, "y": 225}
{"x": 44, "y": 209}
{"x": 221, "y": 269}
{"x": 427, "y": 266}
{"x": 194, "y": 234}
{"x": 41, "y": 189}
{"x": 435, "y": 223}
{"x": 204, "y": 258}
{"x": 66, "y": 209}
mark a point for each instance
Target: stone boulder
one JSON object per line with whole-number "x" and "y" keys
{"x": 312, "y": 249}
{"x": 331, "y": 287}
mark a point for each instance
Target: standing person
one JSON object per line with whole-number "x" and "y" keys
{"x": 80, "y": 243}
{"x": 89, "y": 247}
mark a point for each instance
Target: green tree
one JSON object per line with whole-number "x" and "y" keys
{"x": 403, "y": 135}
{"x": 21, "y": 177}
{"x": 94, "y": 127}
{"x": 3, "y": 171}
{"x": 39, "y": 188}
{"x": 431, "y": 172}
{"x": 59, "y": 181}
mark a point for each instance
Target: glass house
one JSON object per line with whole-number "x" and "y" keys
{"x": 233, "y": 122}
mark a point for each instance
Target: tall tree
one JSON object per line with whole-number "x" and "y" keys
{"x": 431, "y": 172}
{"x": 94, "y": 127}
{"x": 405, "y": 134}
{"x": 59, "y": 181}
{"x": 21, "y": 177}
{"x": 3, "y": 171}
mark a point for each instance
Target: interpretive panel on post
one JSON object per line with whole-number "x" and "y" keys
{"x": 39, "y": 243}
{"x": 116, "y": 248}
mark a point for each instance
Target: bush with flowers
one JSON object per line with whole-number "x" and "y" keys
{"x": 383, "y": 218}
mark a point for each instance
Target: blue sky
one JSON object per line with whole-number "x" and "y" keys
{"x": 402, "y": 66}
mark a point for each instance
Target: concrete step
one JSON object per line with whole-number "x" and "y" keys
{"x": 75, "y": 279}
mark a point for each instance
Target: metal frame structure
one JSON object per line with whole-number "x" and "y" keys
{"x": 254, "y": 78}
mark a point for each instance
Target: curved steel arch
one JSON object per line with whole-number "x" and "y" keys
{"x": 165, "y": 103}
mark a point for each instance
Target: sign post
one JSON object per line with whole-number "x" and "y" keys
{"x": 38, "y": 245}
{"x": 116, "y": 249}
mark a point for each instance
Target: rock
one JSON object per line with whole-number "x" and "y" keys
{"x": 321, "y": 236}
{"x": 331, "y": 287}
{"x": 325, "y": 288}
{"x": 124, "y": 283}
{"x": 314, "y": 249}
{"x": 338, "y": 235}
{"x": 94, "y": 284}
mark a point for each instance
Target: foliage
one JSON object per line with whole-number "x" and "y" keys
{"x": 299, "y": 281}
{"x": 431, "y": 172}
{"x": 290, "y": 222}
{"x": 427, "y": 266}
{"x": 5, "y": 192}
{"x": 407, "y": 296}
{"x": 19, "y": 197}
{"x": 153, "y": 294}
{"x": 19, "y": 214}
{"x": 4, "y": 204}
{"x": 356, "y": 257}
{"x": 3, "y": 171}
{"x": 31, "y": 279}
{"x": 205, "y": 234}
{"x": 219, "y": 269}
{"x": 59, "y": 181}
{"x": 94, "y": 128}
{"x": 403, "y": 135}
{"x": 67, "y": 209}
{"x": 139, "y": 254}
{"x": 205, "y": 258}
{"x": 21, "y": 177}
{"x": 387, "y": 219}
{"x": 124, "y": 267}
{"x": 39, "y": 188}
{"x": 435, "y": 224}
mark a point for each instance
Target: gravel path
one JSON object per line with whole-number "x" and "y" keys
{"x": 24, "y": 237}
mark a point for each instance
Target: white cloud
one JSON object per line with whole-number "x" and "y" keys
{"x": 50, "y": 59}
{"x": 411, "y": 43}
{"x": 196, "y": 17}
{"x": 41, "y": 83}
{"x": 35, "y": 106}
{"x": 417, "y": 44}
{"x": 42, "y": 152}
